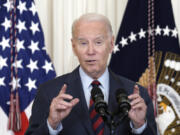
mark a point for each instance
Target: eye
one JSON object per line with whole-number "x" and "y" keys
{"x": 83, "y": 43}
{"x": 99, "y": 42}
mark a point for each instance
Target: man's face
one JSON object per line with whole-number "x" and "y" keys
{"x": 92, "y": 45}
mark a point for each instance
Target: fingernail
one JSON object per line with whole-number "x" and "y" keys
{"x": 66, "y": 83}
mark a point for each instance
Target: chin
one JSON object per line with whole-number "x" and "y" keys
{"x": 91, "y": 71}
{"x": 94, "y": 74}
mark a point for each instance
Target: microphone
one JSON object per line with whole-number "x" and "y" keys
{"x": 123, "y": 101}
{"x": 98, "y": 98}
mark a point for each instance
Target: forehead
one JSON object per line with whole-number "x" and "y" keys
{"x": 91, "y": 28}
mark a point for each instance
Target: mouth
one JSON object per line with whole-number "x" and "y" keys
{"x": 90, "y": 61}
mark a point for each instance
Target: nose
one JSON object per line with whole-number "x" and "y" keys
{"x": 90, "y": 49}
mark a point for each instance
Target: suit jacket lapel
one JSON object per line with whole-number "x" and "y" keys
{"x": 81, "y": 108}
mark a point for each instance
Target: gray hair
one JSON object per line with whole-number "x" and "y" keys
{"x": 93, "y": 17}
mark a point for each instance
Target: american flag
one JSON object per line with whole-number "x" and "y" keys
{"x": 24, "y": 63}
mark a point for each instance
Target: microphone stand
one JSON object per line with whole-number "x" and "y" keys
{"x": 109, "y": 120}
{"x": 112, "y": 126}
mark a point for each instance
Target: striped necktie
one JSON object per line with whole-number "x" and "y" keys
{"x": 96, "y": 119}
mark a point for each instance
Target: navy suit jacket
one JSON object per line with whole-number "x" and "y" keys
{"x": 78, "y": 121}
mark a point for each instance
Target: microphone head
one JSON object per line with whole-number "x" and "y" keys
{"x": 123, "y": 101}
{"x": 98, "y": 98}
{"x": 96, "y": 93}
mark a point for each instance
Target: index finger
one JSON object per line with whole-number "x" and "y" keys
{"x": 136, "y": 89}
{"x": 63, "y": 89}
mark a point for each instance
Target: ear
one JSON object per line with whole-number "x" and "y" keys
{"x": 73, "y": 45}
{"x": 112, "y": 44}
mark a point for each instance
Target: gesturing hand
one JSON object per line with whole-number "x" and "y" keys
{"x": 138, "y": 108}
{"x": 59, "y": 108}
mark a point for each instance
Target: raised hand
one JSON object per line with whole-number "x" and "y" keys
{"x": 59, "y": 108}
{"x": 138, "y": 110}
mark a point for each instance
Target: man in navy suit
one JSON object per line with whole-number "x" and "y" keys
{"x": 61, "y": 106}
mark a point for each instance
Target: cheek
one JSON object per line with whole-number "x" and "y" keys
{"x": 80, "y": 56}
{"x": 104, "y": 57}
{"x": 106, "y": 52}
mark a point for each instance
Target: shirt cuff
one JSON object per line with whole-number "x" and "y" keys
{"x": 138, "y": 130}
{"x": 56, "y": 131}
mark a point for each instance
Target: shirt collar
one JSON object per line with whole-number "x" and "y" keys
{"x": 87, "y": 80}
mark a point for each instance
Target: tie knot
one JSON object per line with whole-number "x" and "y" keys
{"x": 95, "y": 83}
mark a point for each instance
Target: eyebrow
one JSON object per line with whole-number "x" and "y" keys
{"x": 101, "y": 37}
{"x": 98, "y": 37}
{"x": 80, "y": 39}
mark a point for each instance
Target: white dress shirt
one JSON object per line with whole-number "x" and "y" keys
{"x": 87, "y": 87}
{"x": 86, "y": 83}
